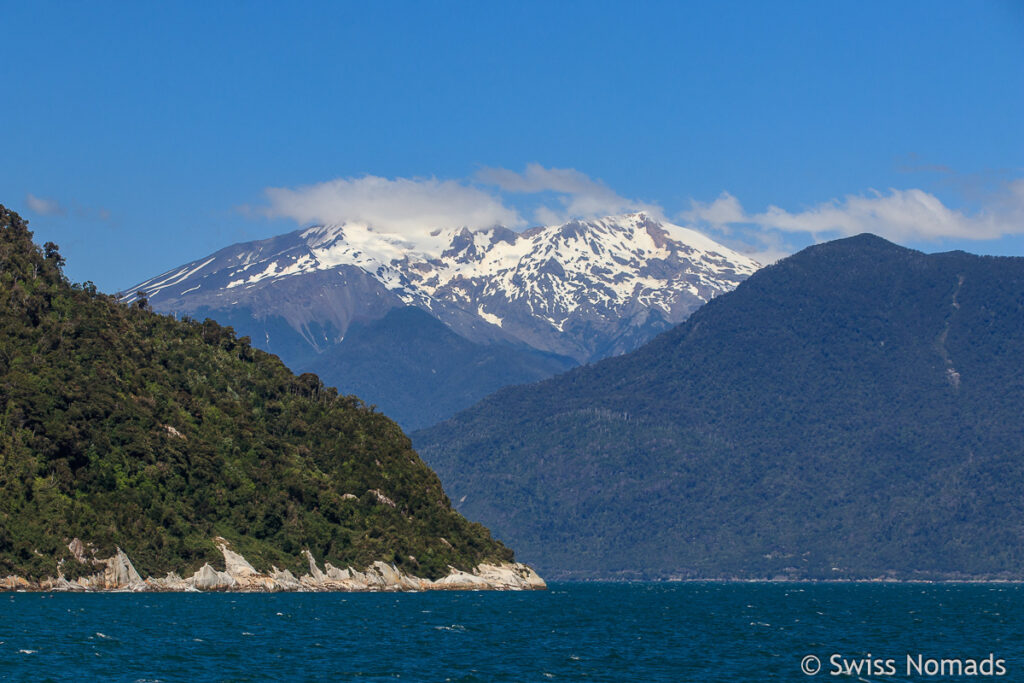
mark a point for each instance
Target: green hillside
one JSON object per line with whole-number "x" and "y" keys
{"x": 126, "y": 428}
{"x": 852, "y": 411}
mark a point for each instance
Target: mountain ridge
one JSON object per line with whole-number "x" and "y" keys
{"x": 545, "y": 275}
{"x": 849, "y": 407}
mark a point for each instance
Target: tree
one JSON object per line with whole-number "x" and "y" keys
{"x": 52, "y": 253}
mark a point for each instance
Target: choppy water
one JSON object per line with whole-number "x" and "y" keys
{"x": 597, "y": 632}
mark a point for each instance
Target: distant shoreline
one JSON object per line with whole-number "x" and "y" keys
{"x": 557, "y": 580}
{"x": 49, "y": 586}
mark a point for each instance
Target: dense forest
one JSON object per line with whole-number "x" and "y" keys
{"x": 853, "y": 411}
{"x": 126, "y": 428}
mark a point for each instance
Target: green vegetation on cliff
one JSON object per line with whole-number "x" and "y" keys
{"x": 126, "y": 428}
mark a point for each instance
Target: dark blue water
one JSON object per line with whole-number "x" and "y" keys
{"x": 592, "y": 632}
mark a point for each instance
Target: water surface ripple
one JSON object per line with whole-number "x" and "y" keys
{"x": 587, "y": 632}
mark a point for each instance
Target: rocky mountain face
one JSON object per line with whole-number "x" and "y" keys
{"x": 852, "y": 411}
{"x": 565, "y": 294}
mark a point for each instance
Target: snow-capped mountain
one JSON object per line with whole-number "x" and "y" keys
{"x": 425, "y": 326}
{"x": 585, "y": 289}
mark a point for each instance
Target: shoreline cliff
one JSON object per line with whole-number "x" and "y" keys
{"x": 118, "y": 574}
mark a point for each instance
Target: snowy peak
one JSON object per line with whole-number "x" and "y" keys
{"x": 599, "y": 269}
{"x": 586, "y": 288}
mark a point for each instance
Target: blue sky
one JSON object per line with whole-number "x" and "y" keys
{"x": 139, "y": 136}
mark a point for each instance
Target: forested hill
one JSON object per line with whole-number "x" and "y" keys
{"x": 852, "y": 411}
{"x": 126, "y": 428}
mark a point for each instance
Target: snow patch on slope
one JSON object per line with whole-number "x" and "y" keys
{"x": 489, "y": 317}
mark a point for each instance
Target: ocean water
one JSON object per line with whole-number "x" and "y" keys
{"x": 586, "y": 632}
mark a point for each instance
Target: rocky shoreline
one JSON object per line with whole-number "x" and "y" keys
{"x": 118, "y": 574}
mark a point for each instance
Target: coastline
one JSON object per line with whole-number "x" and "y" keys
{"x": 804, "y": 581}
{"x": 118, "y": 574}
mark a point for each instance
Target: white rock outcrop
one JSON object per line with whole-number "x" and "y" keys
{"x": 171, "y": 583}
{"x": 77, "y": 549}
{"x": 460, "y": 580}
{"x": 208, "y": 578}
{"x": 285, "y": 580}
{"x": 511, "y": 576}
{"x": 236, "y": 565}
{"x": 121, "y": 574}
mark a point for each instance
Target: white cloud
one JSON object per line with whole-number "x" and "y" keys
{"x": 579, "y": 195}
{"x": 404, "y": 205}
{"x": 537, "y": 178}
{"x": 901, "y": 215}
{"x": 44, "y": 207}
{"x": 410, "y": 205}
{"x": 722, "y": 212}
